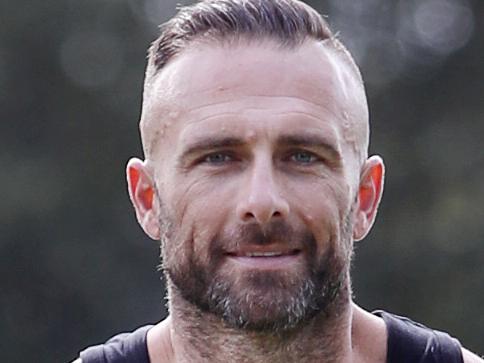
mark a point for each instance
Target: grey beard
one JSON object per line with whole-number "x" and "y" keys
{"x": 282, "y": 303}
{"x": 298, "y": 308}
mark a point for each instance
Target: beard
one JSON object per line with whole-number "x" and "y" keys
{"x": 274, "y": 301}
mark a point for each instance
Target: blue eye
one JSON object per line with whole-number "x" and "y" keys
{"x": 217, "y": 158}
{"x": 303, "y": 157}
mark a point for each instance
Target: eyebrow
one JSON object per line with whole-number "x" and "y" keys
{"x": 208, "y": 143}
{"x": 312, "y": 141}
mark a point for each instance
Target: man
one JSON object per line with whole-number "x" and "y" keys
{"x": 257, "y": 181}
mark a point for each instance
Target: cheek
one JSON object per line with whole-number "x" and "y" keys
{"x": 323, "y": 206}
{"x": 199, "y": 212}
{"x": 344, "y": 198}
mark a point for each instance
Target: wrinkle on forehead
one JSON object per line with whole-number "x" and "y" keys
{"x": 192, "y": 82}
{"x": 246, "y": 126}
{"x": 295, "y": 105}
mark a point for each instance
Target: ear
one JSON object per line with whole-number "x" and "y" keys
{"x": 142, "y": 194}
{"x": 369, "y": 196}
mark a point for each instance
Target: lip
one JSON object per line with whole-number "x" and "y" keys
{"x": 267, "y": 259}
{"x": 274, "y": 249}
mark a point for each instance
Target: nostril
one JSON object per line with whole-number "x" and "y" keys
{"x": 261, "y": 209}
{"x": 249, "y": 215}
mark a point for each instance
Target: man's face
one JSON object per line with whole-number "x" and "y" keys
{"x": 256, "y": 171}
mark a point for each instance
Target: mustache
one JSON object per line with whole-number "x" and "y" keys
{"x": 278, "y": 232}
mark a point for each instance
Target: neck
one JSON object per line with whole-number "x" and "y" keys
{"x": 198, "y": 336}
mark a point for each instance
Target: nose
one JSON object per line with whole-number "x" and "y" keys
{"x": 261, "y": 200}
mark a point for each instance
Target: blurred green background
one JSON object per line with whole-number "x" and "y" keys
{"x": 75, "y": 267}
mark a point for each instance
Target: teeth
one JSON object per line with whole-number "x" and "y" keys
{"x": 263, "y": 254}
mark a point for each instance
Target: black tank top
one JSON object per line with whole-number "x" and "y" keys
{"x": 408, "y": 342}
{"x": 122, "y": 348}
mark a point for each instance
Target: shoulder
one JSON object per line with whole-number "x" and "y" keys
{"x": 470, "y": 357}
{"x": 160, "y": 348}
{"x": 369, "y": 336}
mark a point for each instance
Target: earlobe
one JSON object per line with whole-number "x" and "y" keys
{"x": 369, "y": 196}
{"x": 142, "y": 195}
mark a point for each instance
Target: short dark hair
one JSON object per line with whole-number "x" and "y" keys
{"x": 289, "y": 22}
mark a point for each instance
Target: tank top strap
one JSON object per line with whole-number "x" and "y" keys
{"x": 409, "y": 341}
{"x": 122, "y": 348}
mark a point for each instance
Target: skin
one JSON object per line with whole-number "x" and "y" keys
{"x": 262, "y": 98}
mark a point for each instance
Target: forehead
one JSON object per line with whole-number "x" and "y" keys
{"x": 312, "y": 68}
{"x": 208, "y": 79}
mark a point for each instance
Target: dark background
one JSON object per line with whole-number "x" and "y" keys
{"x": 75, "y": 267}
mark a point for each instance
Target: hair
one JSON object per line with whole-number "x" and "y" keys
{"x": 288, "y": 22}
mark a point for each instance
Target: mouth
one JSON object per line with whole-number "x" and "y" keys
{"x": 265, "y": 258}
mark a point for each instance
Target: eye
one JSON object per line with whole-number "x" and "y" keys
{"x": 217, "y": 158}
{"x": 303, "y": 157}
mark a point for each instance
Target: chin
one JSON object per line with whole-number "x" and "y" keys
{"x": 270, "y": 301}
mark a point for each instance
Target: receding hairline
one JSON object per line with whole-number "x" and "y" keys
{"x": 289, "y": 23}
{"x": 236, "y": 40}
